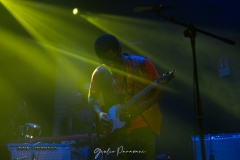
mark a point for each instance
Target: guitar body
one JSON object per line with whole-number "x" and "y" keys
{"x": 114, "y": 113}
{"x": 104, "y": 132}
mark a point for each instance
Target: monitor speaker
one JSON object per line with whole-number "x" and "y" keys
{"x": 217, "y": 147}
{"x": 39, "y": 151}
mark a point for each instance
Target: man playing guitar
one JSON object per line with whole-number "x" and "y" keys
{"x": 130, "y": 117}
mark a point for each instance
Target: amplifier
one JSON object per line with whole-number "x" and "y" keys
{"x": 37, "y": 151}
{"x": 218, "y": 146}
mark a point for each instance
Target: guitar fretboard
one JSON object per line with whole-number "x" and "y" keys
{"x": 140, "y": 94}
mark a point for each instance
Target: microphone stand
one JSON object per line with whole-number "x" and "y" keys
{"x": 191, "y": 33}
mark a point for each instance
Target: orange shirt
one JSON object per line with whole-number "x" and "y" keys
{"x": 119, "y": 89}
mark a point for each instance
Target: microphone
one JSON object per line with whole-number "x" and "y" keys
{"x": 154, "y": 8}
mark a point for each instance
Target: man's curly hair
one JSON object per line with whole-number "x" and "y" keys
{"x": 105, "y": 43}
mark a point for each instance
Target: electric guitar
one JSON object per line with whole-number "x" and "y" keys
{"x": 114, "y": 111}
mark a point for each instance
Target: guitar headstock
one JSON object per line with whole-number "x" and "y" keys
{"x": 168, "y": 75}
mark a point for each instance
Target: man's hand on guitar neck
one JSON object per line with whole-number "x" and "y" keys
{"x": 105, "y": 119}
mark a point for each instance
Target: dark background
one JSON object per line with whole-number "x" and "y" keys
{"x": 167, "y": 48}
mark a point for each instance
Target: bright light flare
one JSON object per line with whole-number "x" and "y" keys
{"x": 75, "y": 11}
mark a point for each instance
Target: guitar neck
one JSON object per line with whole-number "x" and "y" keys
{"x": 139, "y": 95}
{"x": 165, "y": 78}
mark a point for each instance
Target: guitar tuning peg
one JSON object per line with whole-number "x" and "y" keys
{"x": 165, "y": 74}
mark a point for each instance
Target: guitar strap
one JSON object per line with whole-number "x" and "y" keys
{"x": 129, "y": 87}
{"x": 136, "y": 65}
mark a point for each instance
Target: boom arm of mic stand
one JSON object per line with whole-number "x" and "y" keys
{"x": 11, "y": 121}
{"x": 173, "y": 20}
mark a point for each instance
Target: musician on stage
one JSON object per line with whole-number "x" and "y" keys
{"x": 119, "y": 77}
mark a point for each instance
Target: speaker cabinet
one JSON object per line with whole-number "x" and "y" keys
{"x": 217, "y": 147}
{"x": 39, "y": 151}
